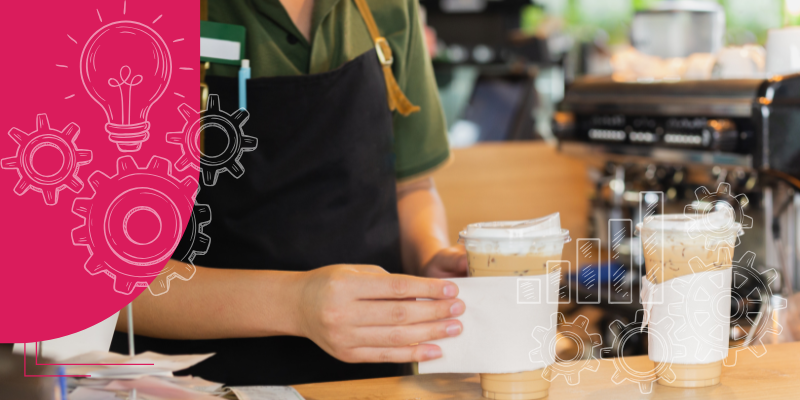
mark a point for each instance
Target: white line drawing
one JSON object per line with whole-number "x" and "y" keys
{"x": 124, "y": 254}
{"x": 73, "y": 40}
{"x": 618, "y": 231}
{"x": 529, "y": 291}
{"x": 564, "y": 283}
{"x": 158, "y": 18}
{"x": 126, "y": 90}
{"x": 622, "y": 333}
{"x": 651, "y": 204}
{"x": 720, "y": 201}
{"x": 589, "y": 274}
{"x": 48, "y": 183}
{"x": 546, "y": 350}
{"x": 193, "y": 243}
{"x": 211, "y": 166}
{"x": 748, "y": 309}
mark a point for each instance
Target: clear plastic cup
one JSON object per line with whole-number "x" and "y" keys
{"x": 515, "y": 248}
{"x": 669, "y": 242}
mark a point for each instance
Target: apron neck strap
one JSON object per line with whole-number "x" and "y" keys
{"x": 397, "y": 99}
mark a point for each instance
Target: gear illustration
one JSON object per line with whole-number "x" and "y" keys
{"x": 120, "y": 245}
{"x": 210, "y": 166}
{"x": 31, "y": 175}
{"x": 193, "y": 243}
{"x": 714, "y": 231}
{"x": 743, "y": 276}
{"x": 622, "y": 333}
{"x": 570, "y": 369}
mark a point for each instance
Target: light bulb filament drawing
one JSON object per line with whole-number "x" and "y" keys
{"x": 124, "y": 75}
{"x": 116, "y": 58}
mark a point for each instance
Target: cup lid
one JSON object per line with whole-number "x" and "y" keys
{"x": 546, "y": 228}
{"x": 714, "y": 222}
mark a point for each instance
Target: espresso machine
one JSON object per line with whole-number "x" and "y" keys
{"x": 738, "y": 139}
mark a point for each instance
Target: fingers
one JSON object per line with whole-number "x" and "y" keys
{"x": 421, "y": 352}
{"x": 391, "y": 286}
{"x": 387, "y": 313}
{"x": 397, "y": 336}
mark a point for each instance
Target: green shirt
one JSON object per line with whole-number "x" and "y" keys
{"x": 276, "y": 47}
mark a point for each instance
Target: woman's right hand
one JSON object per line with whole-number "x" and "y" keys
{"x": 363, "y": 314}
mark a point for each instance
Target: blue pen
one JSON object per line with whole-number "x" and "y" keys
{"x": 244, "y": 75}
{"x": 62, "y": 382}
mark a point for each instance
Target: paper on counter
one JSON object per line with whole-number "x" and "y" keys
{"x": 500, "y": 324}
{"x": 698, "y": 307}
{"x": 157, "y": 388}
{"x": 163, "y": 365}
{"x": 83, "y": 393}
{"x": 266, "y": 393}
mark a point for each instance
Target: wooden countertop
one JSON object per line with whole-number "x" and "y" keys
{"x": 775, "y": 375}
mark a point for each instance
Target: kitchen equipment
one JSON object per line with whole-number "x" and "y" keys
{"x": 730, "y": 136}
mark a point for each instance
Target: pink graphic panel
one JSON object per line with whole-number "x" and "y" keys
{"x": 93, "y": 206}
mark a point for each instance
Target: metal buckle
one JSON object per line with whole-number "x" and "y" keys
{"x": 379, "y": 43}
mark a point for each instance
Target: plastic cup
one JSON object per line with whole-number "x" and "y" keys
{"x": 670, "y": 241}
{"x": 515, "y": 248}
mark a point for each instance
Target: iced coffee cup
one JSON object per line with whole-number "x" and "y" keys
{"x": 688, "y": 281}
{"x": 515, "y": 248}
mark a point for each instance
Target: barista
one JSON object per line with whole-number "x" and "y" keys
{"x": 302, "y": 281}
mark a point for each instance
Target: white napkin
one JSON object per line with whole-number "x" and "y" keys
{"x": 500, "y": 326}
{"x": 163, "y": 365}
{"x": 699, "y": 307}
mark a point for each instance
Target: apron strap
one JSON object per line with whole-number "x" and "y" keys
{"x": 397, "y": 99}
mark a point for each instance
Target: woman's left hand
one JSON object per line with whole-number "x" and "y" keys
{"x": 450, "y": 262}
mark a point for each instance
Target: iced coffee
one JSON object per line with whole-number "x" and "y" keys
{"x": 676, "y": 247}
{"x": 515, "y": 248}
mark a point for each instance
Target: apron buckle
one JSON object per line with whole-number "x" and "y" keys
{"x": 382, "y": 48}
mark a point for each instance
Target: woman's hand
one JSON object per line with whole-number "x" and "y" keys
{"x": 449, "y": 262}
{"x": 361, "y": 313}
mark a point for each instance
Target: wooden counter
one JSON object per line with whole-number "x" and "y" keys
{"x": 776, "y": 375}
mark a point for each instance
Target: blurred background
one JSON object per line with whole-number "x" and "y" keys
{"x": 592, "y": 108}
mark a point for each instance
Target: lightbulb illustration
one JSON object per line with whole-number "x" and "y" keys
{"x": 126, "y": 67}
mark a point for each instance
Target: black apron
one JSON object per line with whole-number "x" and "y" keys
{"x": 318, "y": 190}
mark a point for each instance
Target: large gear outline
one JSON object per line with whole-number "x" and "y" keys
{"x": 742, "y": 271}
{"x": 623, "y": 371}
{"x": 570, "y": 369}
{"x": 45, "y": 136}
{"x": 196, "y": 242}
{"x": 104, "y": 230}
{"x": 188, "y": 138}
{"x": 722, "y": 198}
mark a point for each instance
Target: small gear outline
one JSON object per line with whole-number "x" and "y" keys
{"x": 105, "y": 215}
{"x": 570, "y": 369}
{"x": 196, "y": 242}
{"x": 623, "y": 371}
{"x": 49, "y": 185}
{"x": 742, "y": 271}
{"x": 188, "y": 138}
{"x": 721, "y": 199}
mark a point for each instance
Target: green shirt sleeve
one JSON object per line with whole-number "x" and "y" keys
{"x": 421, "y": 138}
